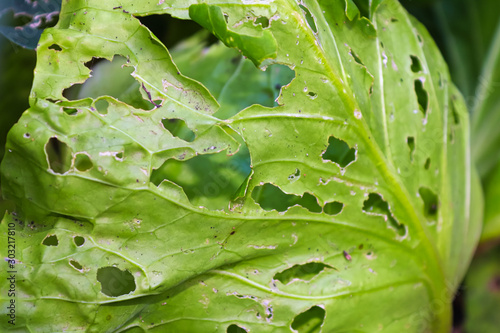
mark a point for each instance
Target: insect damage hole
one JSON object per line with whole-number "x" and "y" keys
{"x": 55, "y": 47}
{"x": 58, "y": 156}
{"x": 101, "y": 106}
{"x": 339, "y": 152}
{"x": 416, "y": 65}
{"x": 309, "y": 321}
{"x": 355, "y": 57}
{"x": 178, "y": 128}
{"x": 70, "y": 111}
{"x": 422, "y": 96}
{"x": 304, "y": 272}
{"x": 376, "y": 205}
{"x": 83, "y": 162}
{"x": 210, "y": 180}
{"x": 309, "y": 18}
{"x": 333, "y": 208}
{"x": 427, "y": 164}
{"x": 76, "y": 265}
{"x": 411, "y": 145}
{"x": 294, "y": 176}
{"x": 235, "y": 329}
{"x": 50, "y": 240}
{"x": 312, "y": 95}
{"x": 79, "y": 240}
{"x": 271, "y": 197}
{"x": 431, "y": 202}
{"x": 111, "y": 78}
{"x": 115, "y": 282}
{"x": 454, "y": 113}
{"x": 263, "y": 21}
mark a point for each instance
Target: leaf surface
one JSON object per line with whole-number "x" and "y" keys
{"x": 367, "y": 151}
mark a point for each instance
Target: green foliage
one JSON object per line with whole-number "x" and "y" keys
{"x": 22, "y": 22}
{"x": 188, "y": 191}
{"x": 482, "y": 288}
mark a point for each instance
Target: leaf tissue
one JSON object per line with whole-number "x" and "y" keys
{"x": 333, "y": 194}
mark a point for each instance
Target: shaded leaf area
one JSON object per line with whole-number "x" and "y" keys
{"x": 482, "y": 299}
{"x": 135, "y": 251}
{"x": 22, "y": 22}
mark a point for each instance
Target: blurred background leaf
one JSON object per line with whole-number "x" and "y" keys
{"x": 482, "y": 287}
{"x": 23, "y": 21}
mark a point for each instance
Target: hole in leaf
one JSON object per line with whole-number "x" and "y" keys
{"x": 454, "y": 113}
{"x": 333, "y": 208}
{"x": 93, "y": 62}
{"x": 83, "y": 162}
{"x": 376, "y": 205}
{"x": 75, "y": 264}
{"x": 309, "y": 321}
{"x": 55, "y": 47}
{"x": 58, "y": 155}
{"x": 422, "y": 96}
{"x": 210, "y": 180}
{"x": 305, "y": 272}
{"x": 294, "y": 176}
{"x": 102, "y": 106}
{"x": 115, "y": 282}
{"x": 356, "y": 58}
{"x": 111, "y": 78}
{"x": 309, "y": 18}
{"x": 427, "y": 164}
{"x": 79, "y": 240}
{"x": 312, "y": 95}
{"x": 233, "y": 80}
{"x": 338, "y": 151}
{"x": 70, "y": 111}
{"x": 431, "y": 202}
{"x": 271, "y": 197}
{"x": 178, "y": 128}
{"x": 263, "y": 21}
{"x": 51, "y": 240}
{"x": 411, "y": 145}
{"x": 235, "y": 329}
{"x": 416, "y": 66}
